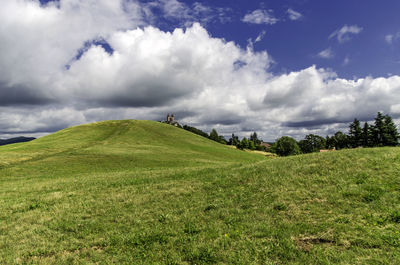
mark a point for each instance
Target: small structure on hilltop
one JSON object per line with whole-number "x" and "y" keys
{"x": 327, "y": 150}
{"x": 265, "y": 144}
{"x": 171, "y": 120}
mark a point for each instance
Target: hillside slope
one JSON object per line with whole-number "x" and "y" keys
{"x": 114, "y": 194}
{"x": 120, "y": 145}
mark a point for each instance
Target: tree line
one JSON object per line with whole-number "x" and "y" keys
{"x": 383, "y": 132}
{"x": 252, "y": 143}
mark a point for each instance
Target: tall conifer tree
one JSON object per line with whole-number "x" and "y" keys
{"x": 379, "y": 130}
{"x": 391, "y": 134}
{"x": 367, "y": 135}
{"x": 355, "y": 134}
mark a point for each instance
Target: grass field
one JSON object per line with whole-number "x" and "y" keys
{"x": 140, "y": 192}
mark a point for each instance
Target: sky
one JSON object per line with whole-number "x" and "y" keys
{"x": 278, "y": 67}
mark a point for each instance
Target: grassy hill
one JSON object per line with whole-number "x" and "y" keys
{"x": 139, "y": 192}
{"x": 117, "y": 146}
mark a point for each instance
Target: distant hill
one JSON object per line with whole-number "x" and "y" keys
{"x": 15, "y": 140}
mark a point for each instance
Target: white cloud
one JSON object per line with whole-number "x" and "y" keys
{"x": 38, "y": 41}
{"x": 207, "y": 82}
{"x": 260, "y": 16}
{"x": 395, "y": 109}
{"x": 174, "y": 8}
{"x": 346, "y": 60}
{"x": 326, "y": 54}
{"x": 167, "y": 67}
{"x": 260, "y": 36}
{"x": 185, "y": 14}
{"x": 251, "y": 42}
{"x": 316, "y": 96}
{"x": 390, "y": 38}
{"x": 294, "y": 15}
{"x": 343, "y": 34}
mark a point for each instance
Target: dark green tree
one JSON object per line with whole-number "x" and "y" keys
{"x": 367, "y": 140}
{"x": 379, "y": 130}
{"x": 254, "y": 138}
{"x": 222, "y": 140}
{"x": 391, "y": 134}
{"x": 214, "y": 135}
{"x": 304, "y": 146}
{"x": 286, "y": 146}
{"x": 341, "y": 140}
{"x": 195, "y": 130}
{"x": 244, "y": 144}
{"x": 330, "y": 142}
{"x": 312, "y": 143}
{"x": 355, "y": 134}
{"x": 234, "y": 140}
{"x": 252, "y": 146}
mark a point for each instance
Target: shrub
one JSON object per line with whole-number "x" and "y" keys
{"x": 286, "y": 146}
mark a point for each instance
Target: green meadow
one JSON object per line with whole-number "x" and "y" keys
{"x": 142, "y": 192}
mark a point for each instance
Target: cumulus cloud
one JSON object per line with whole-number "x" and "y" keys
{"x": 37, "y": 41}
{"x": 153, "y": 68}
{"x": 260, "y": 16}
{"x": 344, "y": 34}
{"x": 317, "y": 97}
{"x": 207, "y": 82}
{"x": 326, "y": 54}
{"x": 294, "y": 15}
